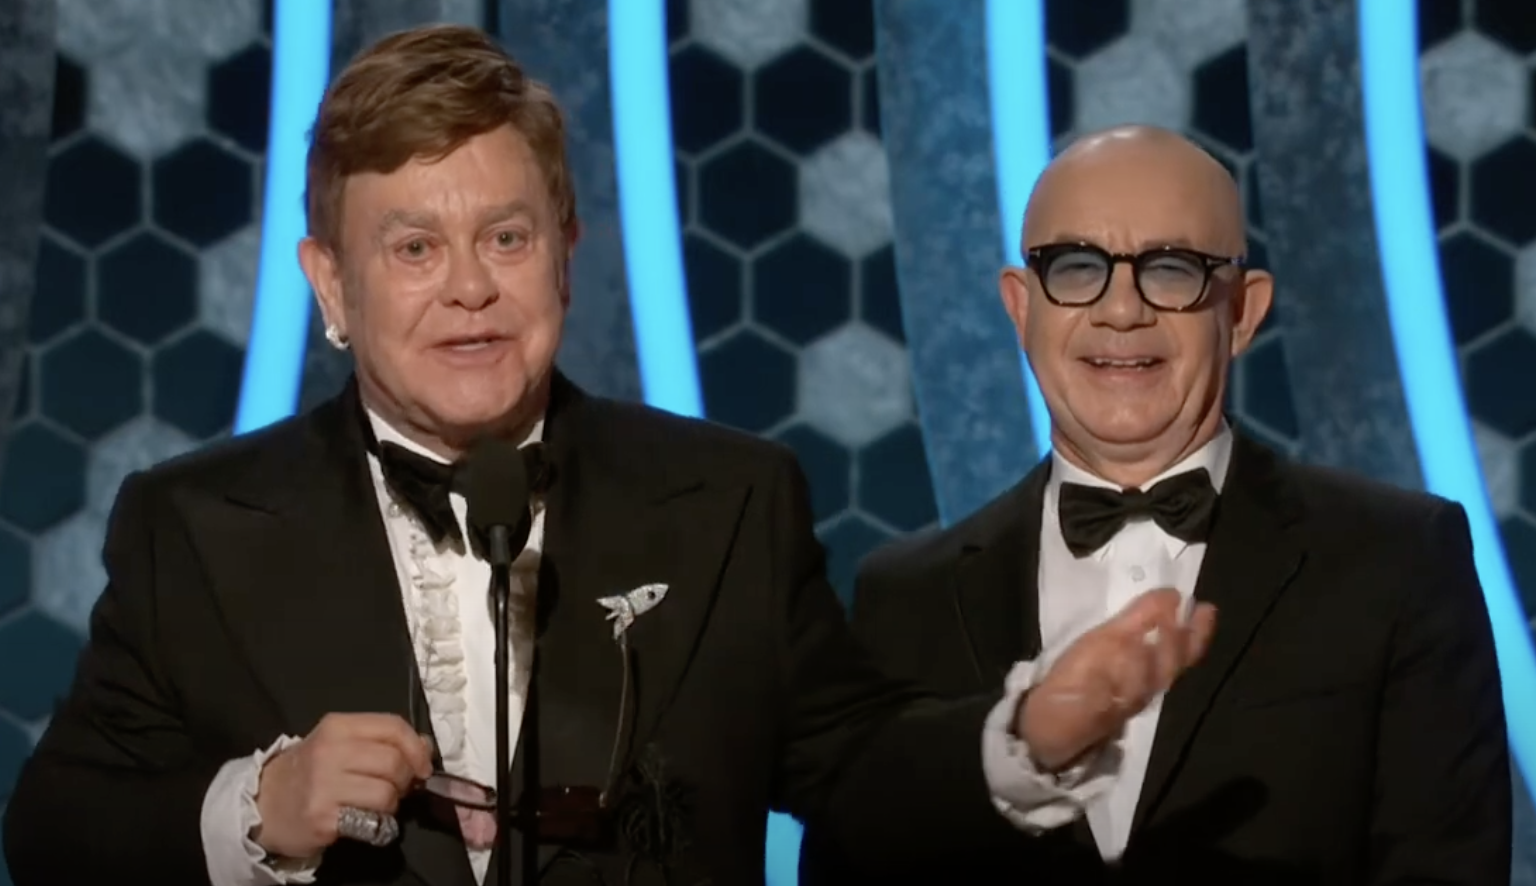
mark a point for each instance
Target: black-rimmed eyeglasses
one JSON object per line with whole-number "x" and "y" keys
{"x": 1076, "y": 275}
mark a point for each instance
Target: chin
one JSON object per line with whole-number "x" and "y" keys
{"x": 477, "y": 413}
{"x": 465, "y": 407}
{"x": 1125, "y": 427}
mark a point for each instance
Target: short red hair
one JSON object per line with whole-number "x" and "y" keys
{"x": 423, "y": 93}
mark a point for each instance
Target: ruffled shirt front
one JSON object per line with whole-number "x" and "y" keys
{"x": 445, "y": 592}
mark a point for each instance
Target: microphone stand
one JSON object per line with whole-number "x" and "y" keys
{"x": 499, "y": 548}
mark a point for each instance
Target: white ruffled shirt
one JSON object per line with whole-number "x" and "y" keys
{"x": 444, "y": 591}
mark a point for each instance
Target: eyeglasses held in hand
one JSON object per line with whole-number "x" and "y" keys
{"x": 560, "y": 813}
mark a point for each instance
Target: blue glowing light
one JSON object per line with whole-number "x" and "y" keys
{"x": 653, "y": 257}
{"x": 1426, "y": 352}
{"x": 1021, "y": 141}
{"x": 274, "y": 356}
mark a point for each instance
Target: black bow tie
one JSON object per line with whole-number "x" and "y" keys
{"x": 1182, "y": 506}
{"x": 425, "y": 485}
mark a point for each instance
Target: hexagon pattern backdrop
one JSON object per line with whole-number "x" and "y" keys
{"x": 788, "y": 255}
{"x": 148, "y": 263}
{"x": 146, "y": 275}
{"x": 1482, "y": 165}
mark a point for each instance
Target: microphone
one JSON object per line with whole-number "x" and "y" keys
{"x": 497, "y": 490}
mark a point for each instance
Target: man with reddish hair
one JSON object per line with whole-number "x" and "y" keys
{"x": 289, "y": 673}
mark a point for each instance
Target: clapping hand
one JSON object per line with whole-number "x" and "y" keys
{"x": 1110, "y": 674}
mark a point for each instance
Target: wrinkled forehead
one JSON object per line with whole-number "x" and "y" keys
{"x": 1130, "y": 206}
{"x": 486, "y": 180}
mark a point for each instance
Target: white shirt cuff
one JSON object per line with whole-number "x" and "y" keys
{"x": 1031, "y": 800}
{"x": 230, "y": 815}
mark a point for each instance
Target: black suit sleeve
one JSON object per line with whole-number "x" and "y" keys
{"x": 113, "y": 792}
{"x": 1442, "y": 799}
{"x": 878, "y": 624}
{"x": 888, "y": 776}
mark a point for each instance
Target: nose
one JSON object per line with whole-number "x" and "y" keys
{"x": 470, "y": 283}
{"x": 1122, "y": 307}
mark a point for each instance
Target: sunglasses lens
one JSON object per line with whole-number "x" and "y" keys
{"x": 563, "y": 814}
{"x": 460, "y": 791}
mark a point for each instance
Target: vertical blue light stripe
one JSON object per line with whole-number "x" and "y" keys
{"x": 1426, "y": 352}
{"x": 1021, "y": 141}
{"x": 653, "y": 246}
{"x": 274, "y": 356}
{"x": 653, "y": 258}
{"x": 783, "y": 852}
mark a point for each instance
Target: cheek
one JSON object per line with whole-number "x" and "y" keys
{"x": 1204, "y": 336}
{"x": 397, "y": 316}
{"x": 1203, "y": 349}
{"x": 390, "y": 310}
{"x": 1047, "y": 340}
{"x": 535, "y": 301}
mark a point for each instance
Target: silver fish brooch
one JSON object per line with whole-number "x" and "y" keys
{"x": 625, "y": 608}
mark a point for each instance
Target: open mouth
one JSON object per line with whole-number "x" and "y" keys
{"x": 1123, "y": 363}
{"x": 471, "y": 343}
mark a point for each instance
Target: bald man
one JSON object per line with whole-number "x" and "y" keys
{"x": 1346, "y": 724}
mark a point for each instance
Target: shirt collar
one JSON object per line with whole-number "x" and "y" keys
{"x": 1215, "y": 456}
{"x": 386, "y": 432}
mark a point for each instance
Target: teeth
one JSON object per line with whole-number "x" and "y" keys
{"x": 1107, "y": 363}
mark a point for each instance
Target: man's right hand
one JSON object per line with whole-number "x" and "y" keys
{"x": 367, "y": 761}
{"x": 1109, "y": 675}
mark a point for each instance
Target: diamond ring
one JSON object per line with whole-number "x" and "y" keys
{"x": 365, "y": 826}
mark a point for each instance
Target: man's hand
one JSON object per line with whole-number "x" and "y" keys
{"x": 1109, "y": 675}
{"x": 368, "y": 761}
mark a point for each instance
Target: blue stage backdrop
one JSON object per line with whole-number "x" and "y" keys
{"x": 805, "y": 186}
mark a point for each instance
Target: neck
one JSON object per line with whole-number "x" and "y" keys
{"x": 1133, "y": 465}
{"x": 449, "y": 443}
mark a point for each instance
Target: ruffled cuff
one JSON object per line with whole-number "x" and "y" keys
{"x": 231, "y": 814}
{"x": 1031, "y": 800}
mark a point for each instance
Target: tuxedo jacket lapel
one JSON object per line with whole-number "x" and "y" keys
{"x": 997, "y": 583}
{"x": 1251, "y": 558}
{"x": 614, "y": 521}
{"x": 308, "y": 587}
{"x": 997, "y": 592}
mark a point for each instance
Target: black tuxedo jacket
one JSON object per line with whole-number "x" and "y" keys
{"x": 251, "y": 591}
{"x": 1346, "y": 726}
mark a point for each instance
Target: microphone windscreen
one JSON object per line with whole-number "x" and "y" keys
{"x": 496, "y": 490}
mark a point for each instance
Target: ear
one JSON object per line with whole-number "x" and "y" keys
{"x": 1250, "y": 307}
{"x": 324, "y": 274}
{"x": 1013, "y": 286}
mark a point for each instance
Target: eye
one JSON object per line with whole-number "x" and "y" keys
{"x": 1175, "y": 265}
{"x": 414, "y": 249}
{"x": 510, "y": 239}
{"x": 1078, "y": 263}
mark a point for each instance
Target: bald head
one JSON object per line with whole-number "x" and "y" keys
{"x": 1151, "y": 183}
{"x": 1133, "y": 304}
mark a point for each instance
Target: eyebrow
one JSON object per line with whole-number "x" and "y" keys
{"x": 406, "y": 218}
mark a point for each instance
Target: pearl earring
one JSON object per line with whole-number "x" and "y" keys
{"x": 334, "y": 336}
